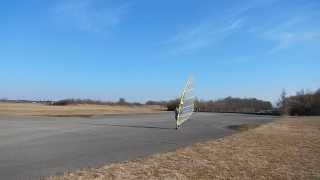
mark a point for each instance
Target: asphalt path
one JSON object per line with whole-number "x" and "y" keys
{"x": 34, "y": 147}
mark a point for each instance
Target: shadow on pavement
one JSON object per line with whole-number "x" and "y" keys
{"x": 135, "y": 126}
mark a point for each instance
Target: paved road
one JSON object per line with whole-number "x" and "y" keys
{"x": 31, "y": 147}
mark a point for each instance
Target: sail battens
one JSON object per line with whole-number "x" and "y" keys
{"x": 186, "y": 106}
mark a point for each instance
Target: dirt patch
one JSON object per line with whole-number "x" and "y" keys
{"x": 285, "y": 149}
{"x": 243, "y": 127}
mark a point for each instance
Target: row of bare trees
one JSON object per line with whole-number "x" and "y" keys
{"x": 303, "y": 103}
{"x": 229, "y": 104}
{"x": 65, "y": 102}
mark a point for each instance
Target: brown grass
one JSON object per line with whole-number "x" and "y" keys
{"x": 29, "y": 109}
{"x": 285, "y": 149}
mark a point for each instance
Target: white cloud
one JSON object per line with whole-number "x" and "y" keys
{"x": 89, "y": 15}
{"x": 214, "y": 30}
{"x": 243, "y": 17}
{"x": 286, "y": 39}
{"x": 203, "y": 35}
{"x": 289, "y": 33}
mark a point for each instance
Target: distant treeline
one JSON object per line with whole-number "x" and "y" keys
{"x": 171, "y": 104}
{"x": 23, "y": 101}
{"x": 65, "y": 102}
{"x": 236, "y": 105}
{"x": 303, "y": 103}
{"x": 228, "y": 105}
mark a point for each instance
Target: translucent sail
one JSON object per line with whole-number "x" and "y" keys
{"x": 186, "y": 106}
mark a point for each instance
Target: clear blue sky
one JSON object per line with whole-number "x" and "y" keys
{"x": 142, "y": 49}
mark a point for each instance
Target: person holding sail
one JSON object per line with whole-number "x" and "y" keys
{"x": 185, "y": 107}
{"x": 176, "y": 113}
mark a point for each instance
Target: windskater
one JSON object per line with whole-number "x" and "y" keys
{"x": 176, "y": 113}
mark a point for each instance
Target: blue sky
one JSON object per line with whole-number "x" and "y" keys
{"x": 142, "y": 49}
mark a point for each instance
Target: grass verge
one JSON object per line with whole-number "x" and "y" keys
{"x": 83, "y": 110}
{"x": 286, "y": 149}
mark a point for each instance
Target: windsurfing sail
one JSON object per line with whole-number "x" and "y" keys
{"x": 186, "y": 105}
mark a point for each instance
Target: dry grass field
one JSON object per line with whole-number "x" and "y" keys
{"x": 29, "y": 109}
{"x": 285, "y": 149}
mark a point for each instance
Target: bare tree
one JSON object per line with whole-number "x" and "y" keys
{"x": 282, "y": 102}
